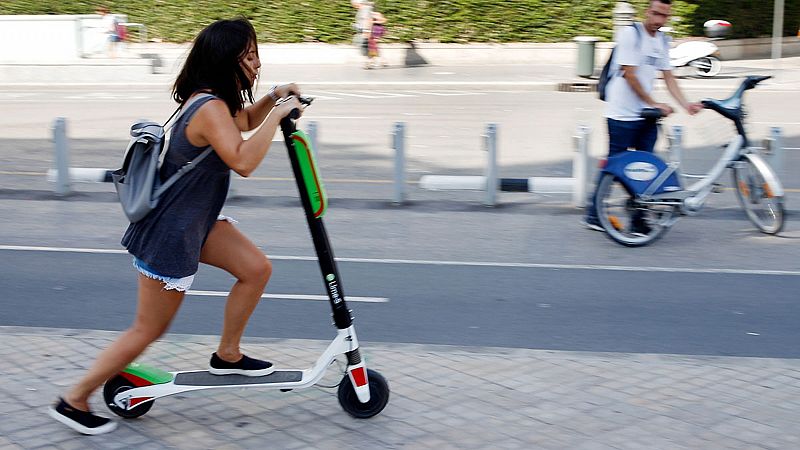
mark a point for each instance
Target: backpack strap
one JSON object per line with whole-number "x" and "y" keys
{"x": 194, "y": 162}
{"x": 636, "y": 26}
{"x": 186, "y": 168}
{"x": 182, "y": 109}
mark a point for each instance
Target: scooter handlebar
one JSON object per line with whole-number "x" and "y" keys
{"x": 305, "y": 101}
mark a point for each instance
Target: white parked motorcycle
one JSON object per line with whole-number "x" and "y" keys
{"x": 703, "y": 56}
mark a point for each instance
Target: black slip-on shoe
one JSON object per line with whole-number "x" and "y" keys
{"x": 83, "y": 422}
{"x": 246, "y": 366}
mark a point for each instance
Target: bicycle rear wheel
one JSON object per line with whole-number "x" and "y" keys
{"x": 760, "y": 194}
{"x": 626, "y": 220}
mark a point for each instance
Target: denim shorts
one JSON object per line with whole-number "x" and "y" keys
{"x": 170, "y": 283}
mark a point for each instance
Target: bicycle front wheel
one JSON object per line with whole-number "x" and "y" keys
{"x": 760, "y": 194}
{"x": 627, "y": 220}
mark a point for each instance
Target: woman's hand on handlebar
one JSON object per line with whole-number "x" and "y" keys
{"x": 285, "y": 90}
{"x": 287, "y": 105}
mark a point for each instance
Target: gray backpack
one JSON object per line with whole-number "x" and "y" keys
{"x": 138, "y": 181}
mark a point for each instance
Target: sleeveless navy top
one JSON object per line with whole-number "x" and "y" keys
{"x": 170, "y": 237}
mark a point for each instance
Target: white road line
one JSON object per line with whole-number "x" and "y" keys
{"x": 321, "y": 97}
{"x": 62, "y": 249}
{"x": 390, "y": 94}
{"x": 347, "y": 94}
{"x": 458, "y": 263}
{"x": 447, "y": 93}
{"x": 335, "y": 117}
{"x": 316, "y": 298}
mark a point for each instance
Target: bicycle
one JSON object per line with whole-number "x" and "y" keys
{"x": 639, "y": 196}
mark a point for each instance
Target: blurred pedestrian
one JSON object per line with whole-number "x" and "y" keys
{"x": 376, "y": 32}
{"x": 186, "y": 228}
{"x": 370, "y": 27}
{"x": 362, "y": 25}
{"x": 111, "y": 27}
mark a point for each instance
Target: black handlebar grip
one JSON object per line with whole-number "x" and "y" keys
{"x": 652, "y": 113}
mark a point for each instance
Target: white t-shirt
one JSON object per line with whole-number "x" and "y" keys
{"x": 649, "y": 54}
{"x": 364, "y": 17}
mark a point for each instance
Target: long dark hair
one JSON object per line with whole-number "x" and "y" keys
{"x": 213, "y": 64}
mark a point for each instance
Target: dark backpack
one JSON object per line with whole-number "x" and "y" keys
{"x": 606, "y": 74}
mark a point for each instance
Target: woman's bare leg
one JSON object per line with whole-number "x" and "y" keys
{"x": 229, "y": 249}
{"x": 154, "y": 313}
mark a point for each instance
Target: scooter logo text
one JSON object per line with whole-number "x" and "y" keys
{"x": 333, "y": 288}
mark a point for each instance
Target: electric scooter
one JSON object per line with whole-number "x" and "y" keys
{"x": 362, "y": 392}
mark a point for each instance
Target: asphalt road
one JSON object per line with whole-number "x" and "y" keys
{"x": 560, "y": 308}
{"x": 712, "y": 286}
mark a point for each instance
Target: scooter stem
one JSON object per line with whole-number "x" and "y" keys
{"x": 327, "y": 263}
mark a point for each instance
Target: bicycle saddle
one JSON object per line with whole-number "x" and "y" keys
{"x": 731, "y": 107}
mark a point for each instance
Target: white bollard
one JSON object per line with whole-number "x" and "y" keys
{"x": 773, "y": 147}
{"x": 399, "y": 145}
{"x": 490, "y": 139}
{"x": 580, "y": 167}
{"x": 62, "y": 156}
{"x": 676, "y": 145}
{"x": 313, "y": 133}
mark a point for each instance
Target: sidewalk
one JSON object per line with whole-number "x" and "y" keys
{"x": 441, "y": 397}
{"x": 483, "y": 66}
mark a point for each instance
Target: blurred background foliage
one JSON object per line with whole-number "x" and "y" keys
{"x": 450, "y": 21}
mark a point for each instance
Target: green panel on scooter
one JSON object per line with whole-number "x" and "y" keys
{"x": 311, "y": 176}
{"x": 151, "y": 374}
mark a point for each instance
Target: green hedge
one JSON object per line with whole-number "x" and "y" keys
{"x": 427, "y": 20}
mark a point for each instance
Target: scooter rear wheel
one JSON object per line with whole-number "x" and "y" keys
{"x": 121, "y": 384}
{"x": 378, "y": 396}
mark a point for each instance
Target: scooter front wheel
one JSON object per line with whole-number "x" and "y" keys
{"x": 378, "y": 396}
{"x": 121, "y": 384}
{"x": 710, "y": 66}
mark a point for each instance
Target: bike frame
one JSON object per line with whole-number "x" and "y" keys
{"x": 693, "y": 197}
{"x": 154, "y": 383}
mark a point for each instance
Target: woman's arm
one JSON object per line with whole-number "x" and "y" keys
{"x": 213, "y": 125}
{"x": 252, "y": 116}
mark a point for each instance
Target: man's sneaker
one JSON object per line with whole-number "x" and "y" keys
{"x": 80, "y": 421}
{"x": 592, "y": 223}
{"x": 640, "y": 229}
{"x": 246, "y": 366}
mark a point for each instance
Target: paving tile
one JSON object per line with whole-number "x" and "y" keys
{"x": 466, "y": 399}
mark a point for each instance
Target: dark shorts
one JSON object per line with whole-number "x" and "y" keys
{"x": 635, "y": 134}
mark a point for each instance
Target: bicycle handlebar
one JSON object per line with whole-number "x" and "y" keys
{"x": 731, "y": 107}
{"x": 652, "y": 113}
